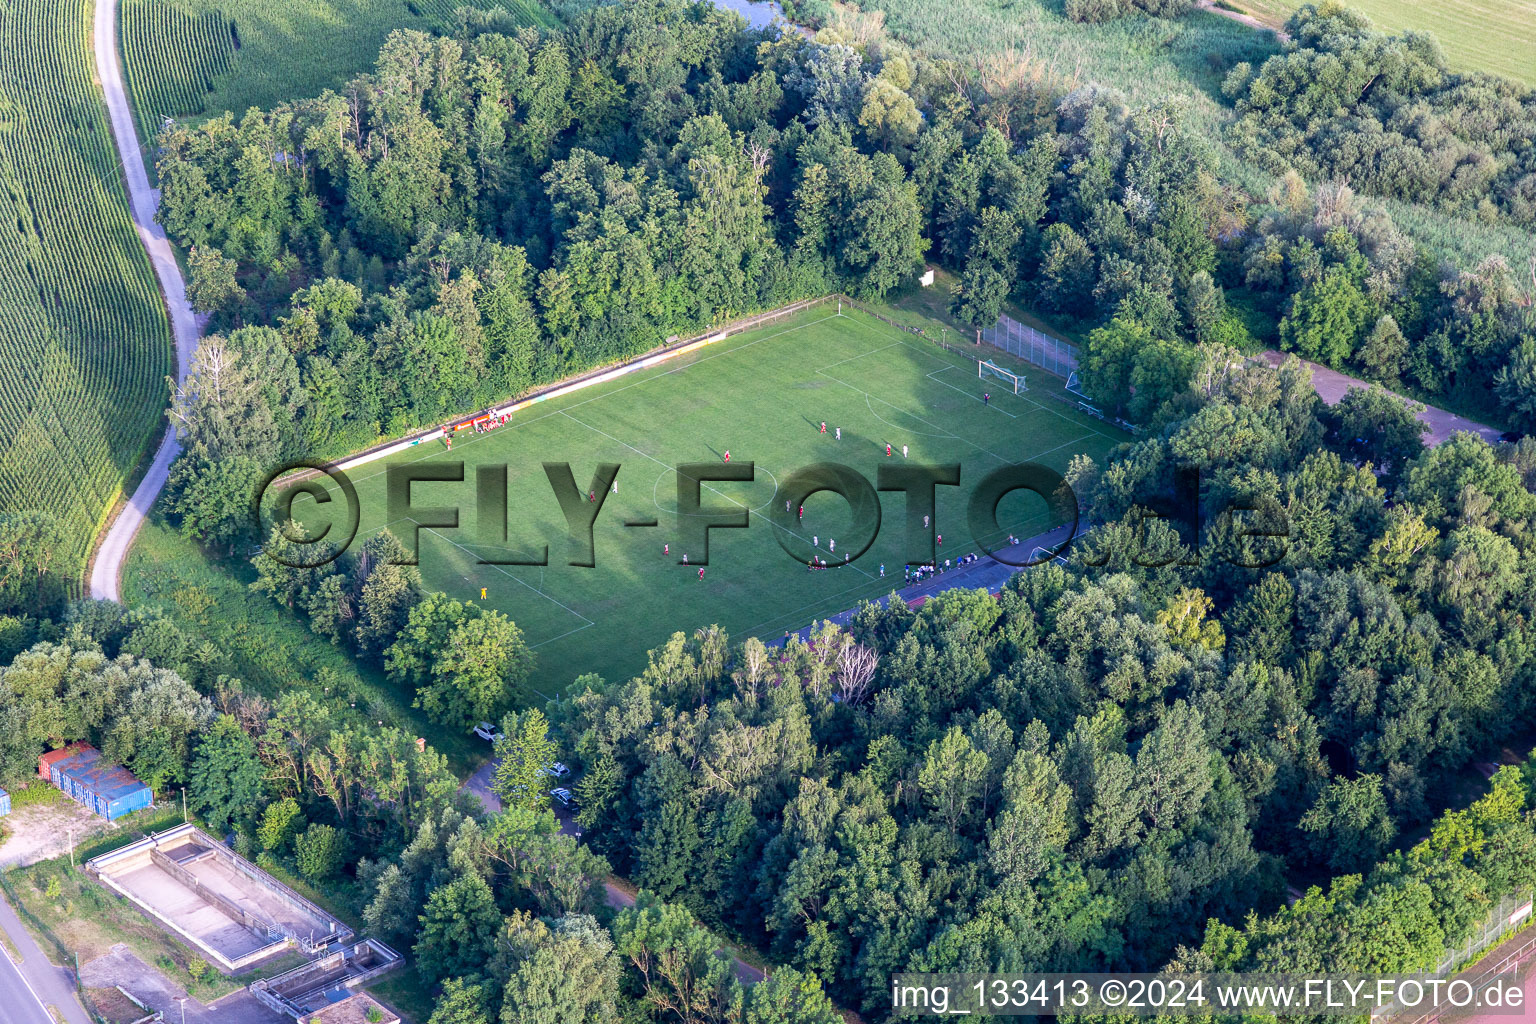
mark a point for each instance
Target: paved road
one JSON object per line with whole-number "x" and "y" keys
{"x": 143, "y": 201}
{"x": 25, "y": 988}
{"x": 984, "y": 573}
{"x": 480, "y": 785}
{"x": 1331, "y": 386}
{"x": 18, "y": 1002}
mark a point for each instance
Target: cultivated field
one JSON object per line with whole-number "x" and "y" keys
{"x": 761, "y": 396}
{"x": 185, "y": 58}
{"x": 1477, "y": 35}
{"x": 84, "y": 344}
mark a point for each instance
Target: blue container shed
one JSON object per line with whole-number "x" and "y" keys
{"x": 58, "y": 771}
{"x": 108, "y": 789}
{"x": 5, "y": 803}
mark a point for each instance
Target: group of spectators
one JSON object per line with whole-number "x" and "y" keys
{"x": 918, "y": 573}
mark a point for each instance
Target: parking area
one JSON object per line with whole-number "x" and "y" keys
{"x": 155, "y": 990}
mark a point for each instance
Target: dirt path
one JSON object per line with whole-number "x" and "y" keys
{"x": 1239, "y": 16}
{"x": 621, "y": 896}
{"x": 106, "y": 572}
{"x": 1331, "y": 386}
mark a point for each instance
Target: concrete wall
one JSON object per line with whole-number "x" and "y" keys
{"x": 255, "y": 922}
{"x": 349, "y": 967}
{"x": 214, "y": 955}
{"x": 148, "y": 851}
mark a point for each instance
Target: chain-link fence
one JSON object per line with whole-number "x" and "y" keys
{"x": 1510, "y": 914}
{"x": 1048, "y": 353}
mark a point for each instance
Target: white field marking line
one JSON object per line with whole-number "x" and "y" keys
{"x": 427, "y": 455}
{"x": 503, "y": 570}
{"x": 16, "y": 966}
{"x": 392, "y": 522}
{"x": 499, "y": 568}
{"x": 1040, "y": 455}
{"x": 562, "y": 636}
{"x": 834, "y": 596}
{"x": 674, "y": 512}
{"x": 966, "y": 393}
{"x": 947, "y": 366}
{"x": 896, "y": 426}
{"x": 643, "y": 379}
{"x": 941, "y": 431}
{"x": 1030, "y": 401}
{"x": 944, "y": 433}
{"x": 727, "y": 497}
{"x": 713, "y": 355}
{"x": 861, "y": 355}
{"x": 677, "y": 369}
{"x": 725, "y": 352}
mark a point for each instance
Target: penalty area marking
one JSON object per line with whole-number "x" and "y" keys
{"x": 967, "y": 394}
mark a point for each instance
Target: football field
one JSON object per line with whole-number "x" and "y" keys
{"x": 761, "y": 396}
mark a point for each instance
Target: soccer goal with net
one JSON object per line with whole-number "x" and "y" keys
{"x": 986, "y": 368}
{"x": 1042, "y": 555}
{"x": 1075, "y": 387}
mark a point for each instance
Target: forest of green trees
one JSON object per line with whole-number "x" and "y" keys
{"x": 493, "y": 210}
{"x": 1120, "y": 764}
{"x": 1386, "y": 114}
{"x": 498, "y": 909}
{"x": 1117, "y": 764}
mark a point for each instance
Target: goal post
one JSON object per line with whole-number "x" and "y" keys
{"x": 985, "y": 368}
{"x": 1042, "y": 554}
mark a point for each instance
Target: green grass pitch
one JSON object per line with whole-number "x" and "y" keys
{"x": 761, "y": 395}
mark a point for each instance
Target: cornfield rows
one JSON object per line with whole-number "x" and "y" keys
{"x": 84, "y": 343}
{"x": 189, "y": 58}
{"x": 440, "y": 12}
{"x": 170, "y": 58}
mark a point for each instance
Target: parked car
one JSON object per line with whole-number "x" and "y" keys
{"x": 556, "y": 770}
{"x": 564, "y": 796}
{"x": 488, "y": 732}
